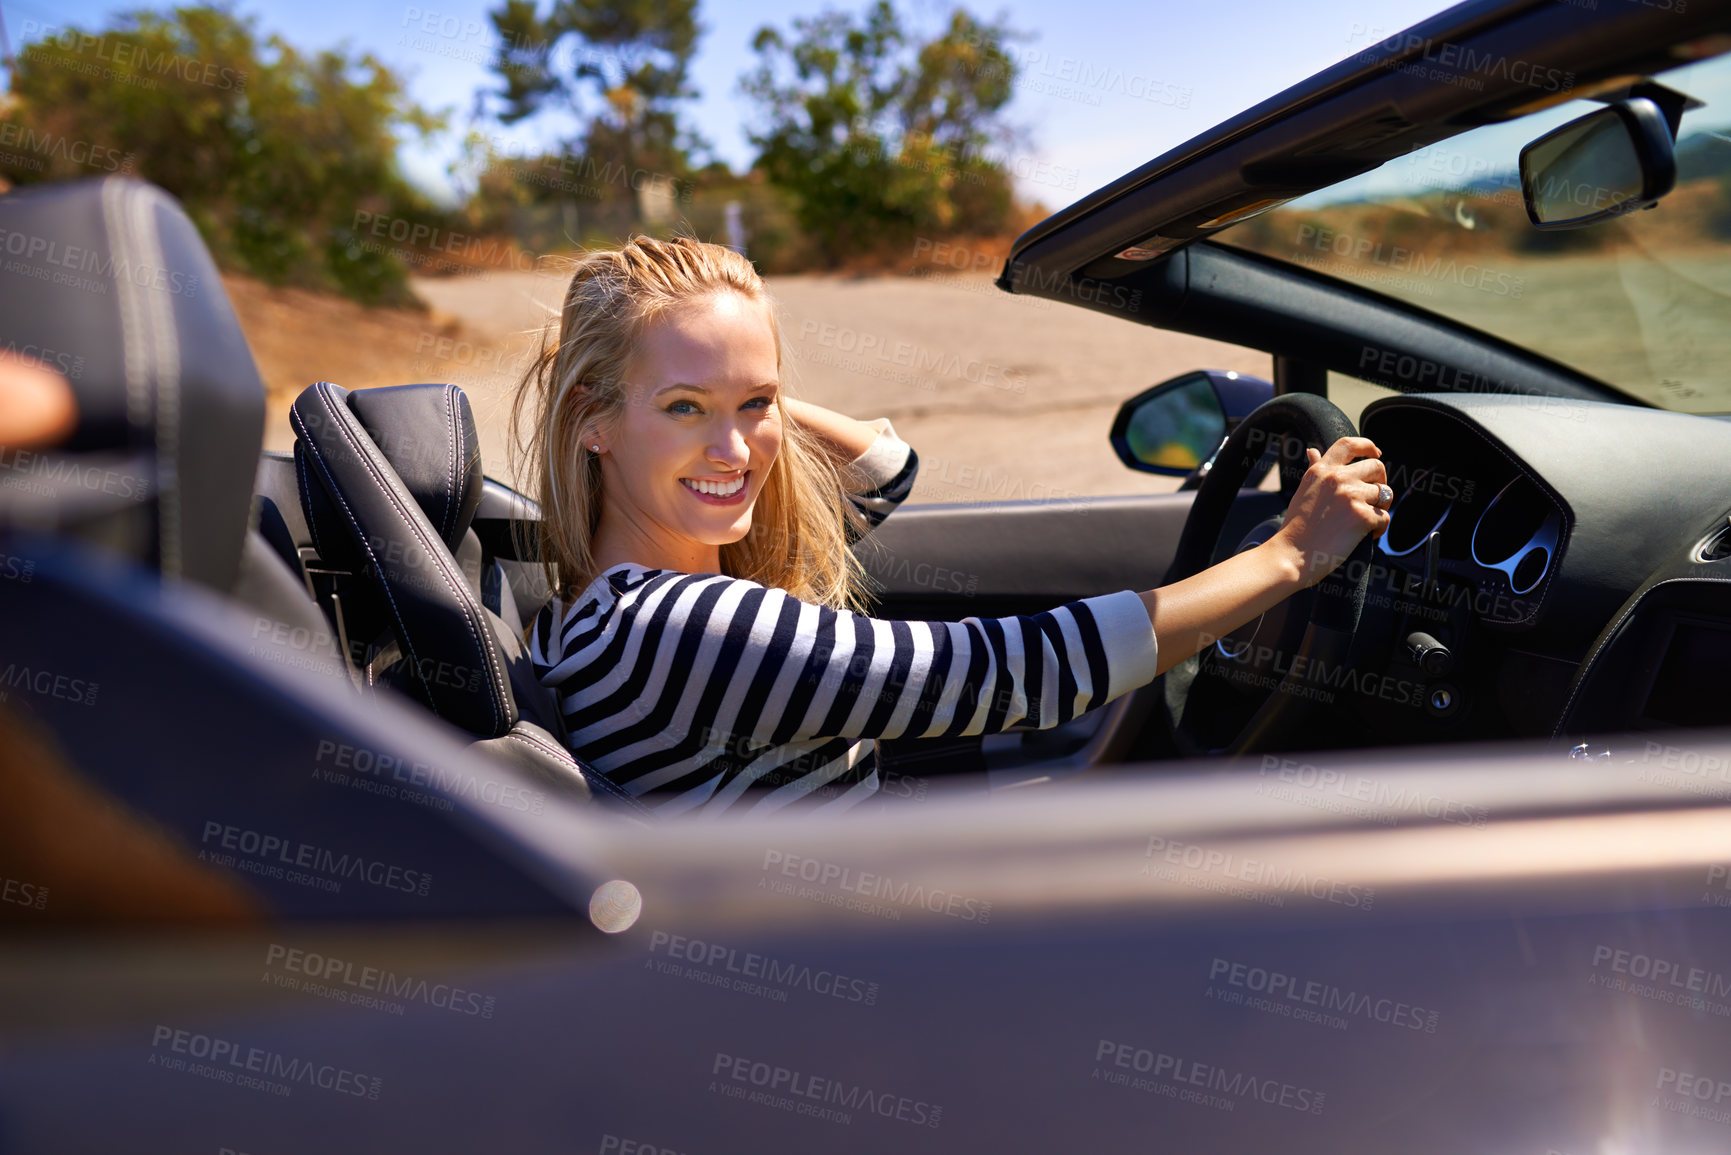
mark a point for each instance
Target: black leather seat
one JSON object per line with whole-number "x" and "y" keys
{"x": 389, "y": 481}
{"x": 161, "y": 468}
{"x": 129, "y": 307}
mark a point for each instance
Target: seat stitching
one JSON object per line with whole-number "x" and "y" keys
{"x": 434, "y": 554}
{"x": 307, "y": 505}
{"x": 342, "y": 502}
{"x": 450, "y": 519}
{"x": 595, "y": 780}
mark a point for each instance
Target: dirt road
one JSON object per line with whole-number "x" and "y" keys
{"x": 1005, "y": 397}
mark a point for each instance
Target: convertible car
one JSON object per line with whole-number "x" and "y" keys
{"x": 1435, "y": 859}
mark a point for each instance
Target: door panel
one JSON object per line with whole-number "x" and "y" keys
{"x": 947, "y": 562}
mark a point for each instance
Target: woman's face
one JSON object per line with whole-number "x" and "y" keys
{"x": 683, "y": 467}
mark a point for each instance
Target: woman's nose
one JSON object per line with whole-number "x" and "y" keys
{"x": 730, "y": 449}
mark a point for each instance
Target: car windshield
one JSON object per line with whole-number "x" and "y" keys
{"x": 1642, "y": 302}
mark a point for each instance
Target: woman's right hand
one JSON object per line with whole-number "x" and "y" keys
{"x": 1339, "y": 500}
{"x": 1336, "y": 504}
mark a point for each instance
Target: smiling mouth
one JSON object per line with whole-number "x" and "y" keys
{"x": 713, "y": 488}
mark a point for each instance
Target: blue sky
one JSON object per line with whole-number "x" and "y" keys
{"x": 1105, "y": 85}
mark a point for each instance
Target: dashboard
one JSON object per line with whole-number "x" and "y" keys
{"x": 1522, "y": 534}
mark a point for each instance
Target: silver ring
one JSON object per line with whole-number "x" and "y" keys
{"x": 1384, "y": 496}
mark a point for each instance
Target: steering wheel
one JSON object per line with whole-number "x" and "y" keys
{"x": 1250, "y": 690}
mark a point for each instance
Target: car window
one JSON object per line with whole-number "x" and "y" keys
{"x": 1638, "y": 301}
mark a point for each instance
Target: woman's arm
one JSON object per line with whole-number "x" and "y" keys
{"x": 1333, "y": 508}
{"x": 844, "y": 437}
{"x": 778, "y": 670}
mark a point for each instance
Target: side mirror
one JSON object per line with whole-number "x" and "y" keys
{"x": 1604, "y": 164}
{"x": 1175, "y": 427}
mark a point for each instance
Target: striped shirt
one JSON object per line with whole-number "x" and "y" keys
{"x": 705, "y": 690}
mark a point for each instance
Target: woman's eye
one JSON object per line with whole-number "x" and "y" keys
{"x": 762, "y": 403}
{"x": 681, "y": 408}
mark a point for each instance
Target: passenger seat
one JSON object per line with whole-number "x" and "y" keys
{"x": 389, "y": 482}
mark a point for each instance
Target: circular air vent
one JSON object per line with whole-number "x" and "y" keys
{"x": 1717, "y": 546}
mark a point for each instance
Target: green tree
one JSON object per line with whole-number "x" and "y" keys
{"x": 878, "y": 136}
{"x": 622, "y": 69}
{"x": 274, "y": 153}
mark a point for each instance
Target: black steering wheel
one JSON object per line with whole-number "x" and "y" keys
{"x": 1249, "y": 690}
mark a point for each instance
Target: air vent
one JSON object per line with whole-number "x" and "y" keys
{"x": 1718, "y": 546}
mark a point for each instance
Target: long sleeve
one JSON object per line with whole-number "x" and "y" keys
{"x": 881, "y": 478}
{"x": 661, "y": 673}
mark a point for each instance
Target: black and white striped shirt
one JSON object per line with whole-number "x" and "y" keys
{"x": 704, "y": 690}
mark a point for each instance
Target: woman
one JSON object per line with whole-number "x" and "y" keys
{"x": 701, "y": 640}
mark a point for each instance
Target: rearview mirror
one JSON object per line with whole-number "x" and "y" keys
{"x": 1604, "y": 164}
{"x": 1176, "y": 426}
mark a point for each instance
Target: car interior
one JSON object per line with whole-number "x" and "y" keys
{"x": 1539, "y": 579}
{"x": 1442, "y": 942}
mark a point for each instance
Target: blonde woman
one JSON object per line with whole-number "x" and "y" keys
{"x": 702, "y": 639}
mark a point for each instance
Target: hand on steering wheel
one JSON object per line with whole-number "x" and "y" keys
{"x": 1341, "y": 498}
{"x": 1250, "y": 690}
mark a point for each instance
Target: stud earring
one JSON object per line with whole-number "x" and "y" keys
{"x": 595, "y": 448}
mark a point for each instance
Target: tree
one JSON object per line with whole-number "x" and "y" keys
{"x": 621, "y": 67}
{"x": 273, "y": 153}
{"x": 878, "y": 136}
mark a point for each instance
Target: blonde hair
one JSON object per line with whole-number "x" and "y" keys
{"x": 800, "y": 526}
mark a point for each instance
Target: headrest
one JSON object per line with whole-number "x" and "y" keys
{"x": 401, "y": 524}
{"x": 427, "y": 434}
{"x": 108, "y": 282}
